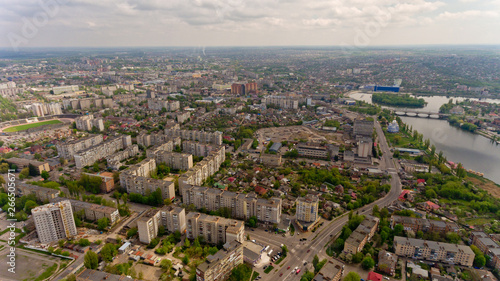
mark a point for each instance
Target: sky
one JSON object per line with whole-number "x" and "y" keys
{"x": 358, "y": 23}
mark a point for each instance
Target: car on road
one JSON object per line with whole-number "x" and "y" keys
{"x": 281, "y": 274}
{"x": 305, "y": 263}
{"x": 288, "y": 268}
{"x": 308, "y": 250}
{"x": 298, "y": 271}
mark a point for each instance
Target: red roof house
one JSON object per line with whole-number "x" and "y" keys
{"x": 260, "y": 190}
{"x": 374, "y": 276}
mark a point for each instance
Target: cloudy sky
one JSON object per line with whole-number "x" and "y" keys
{"x": 65, "y": 23}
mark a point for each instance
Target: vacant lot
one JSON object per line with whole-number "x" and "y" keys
{"x": 29, "y": 265}
{"x": 31, "y": 125}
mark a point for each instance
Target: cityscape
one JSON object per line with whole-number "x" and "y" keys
{"x": 188, "y": 155}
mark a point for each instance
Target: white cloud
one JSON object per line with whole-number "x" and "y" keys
{"x": 464, "y": 15}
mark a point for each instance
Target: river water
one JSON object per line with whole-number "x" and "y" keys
{"x": 473, "y": 151}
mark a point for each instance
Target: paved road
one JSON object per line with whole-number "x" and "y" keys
{"x": 299, "y": 254}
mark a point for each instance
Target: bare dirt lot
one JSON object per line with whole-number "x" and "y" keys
{"x": 29, "y": 265}
{"x": 297, "y": 133}
{"x": 487, "y": 185}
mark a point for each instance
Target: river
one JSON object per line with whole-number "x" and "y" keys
{"x": 473, "y": 151}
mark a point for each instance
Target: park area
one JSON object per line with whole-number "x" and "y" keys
{"x": 30, "y": 125}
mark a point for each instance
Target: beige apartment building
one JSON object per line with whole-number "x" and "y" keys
{"x": 205, "y": 137}
{"x": 214, "y": 229}
{"x": 87, "y": 122}
{"x": 147, "y": 225}
{"x": 90, "y": 155}
{"x": 69, "y": 149}
{"x": 361, "y": 235}
{"x": 219, "y": 266}
{"x": 137, "y": 179}
{"x": 23, "y": 163}
{"x": 173, "y": 218}
{"x": 243, "y": 206}
{"x": 433, "y": 251}
{"x": 312, "y": 151}
{"x": 92, "y": 212}
{"x": 54, "y": 221}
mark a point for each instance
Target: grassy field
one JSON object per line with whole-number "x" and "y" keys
{"x": 31, "y": 125}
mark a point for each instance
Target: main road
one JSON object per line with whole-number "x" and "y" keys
{"x": 299, "y": 254}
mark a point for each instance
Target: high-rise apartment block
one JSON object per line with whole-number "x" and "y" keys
{"x": 147, "y": 225}
{"x": 114, "y": 160}
{"x": 198, "y": 148}
{"x": 307, "y": 210}
{"x": 69, "y": 149}
{"x": 137, "y": 179}
{"x": 283, "y": 102}
{"x": 214, "y": 229}
{"x": 54, "y": 221}
{"x": 172, "y": 218}
{"x": 219, "y": 266}
{"x": 159, "y": 104}
{"x": 203, "y": 169}
{"x": 206, "y": 137}
{"x": 243, "y": 206}
{"x": 87, "y": 122}
{"x": 90, "y": 155}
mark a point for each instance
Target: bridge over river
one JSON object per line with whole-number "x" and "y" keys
{"x": 420, "y": 114}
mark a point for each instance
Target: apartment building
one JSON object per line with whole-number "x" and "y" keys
{"x": 160, "y": 141}
{"x": 331, "y": 271}
{"x": 42, "y": 193}
{"x": 488, "y": 246}
{"x": 387, "y": 262}
{"x": 42, "y": 109}
{"x": 361, "y": 235}
{"x": 198, "y": 148}
{"x": 108, "y": 182}
{"x": 137, "y": 179}
{"x": 69, "y": 149}
{"x": 243, "y": 206}
{"x": 307, "y": 211}
{"x": 54, "y": 221}
{"x": 283, "y": 102}
{"x": 174, "y": 160}
{"x": 206, "y": 137}
{"x": 23, "y": 163}
{"x": 90, "y": 155}
{"x": 158, "y": 104}
{"x": 203, "y": 169}
{"x": 219, "y": 266}
{"x": 147, "y": 225}
{"x": 424, "y": 225}
{"x": 114, "y": 160}
{"x": 85, "y": 104}
{"x": 214, "y": 229}
{"x": 312, "y": 151}
{"x": 173, "y": 218}
{"x": 182, "y": 117}
{"x": 92, "y": 212}
{"x": 433, "y": 251}
{"x": 64, "y": 89}
{"x": 87, "y": 122}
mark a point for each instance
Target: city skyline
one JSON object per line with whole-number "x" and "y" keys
{"x": 237, "y": 23}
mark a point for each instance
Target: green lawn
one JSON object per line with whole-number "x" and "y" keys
{"x": 268, "y": 269}
{"x": 31, "y": 125}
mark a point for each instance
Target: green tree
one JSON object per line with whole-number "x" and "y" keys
{"x": 91, "y": 260}
{"x": 45, "y": 175}
{"x": 29, "y": 205}
{"x": 367, "y": 263}
{"x": 108, "y": 251}
{"x": 315, "y": 261}
{"x": 33, "y": 171}
{"x": 352, "y": 276}
{"x": 24, "y": 173}
{"x": 102, "y": 223}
